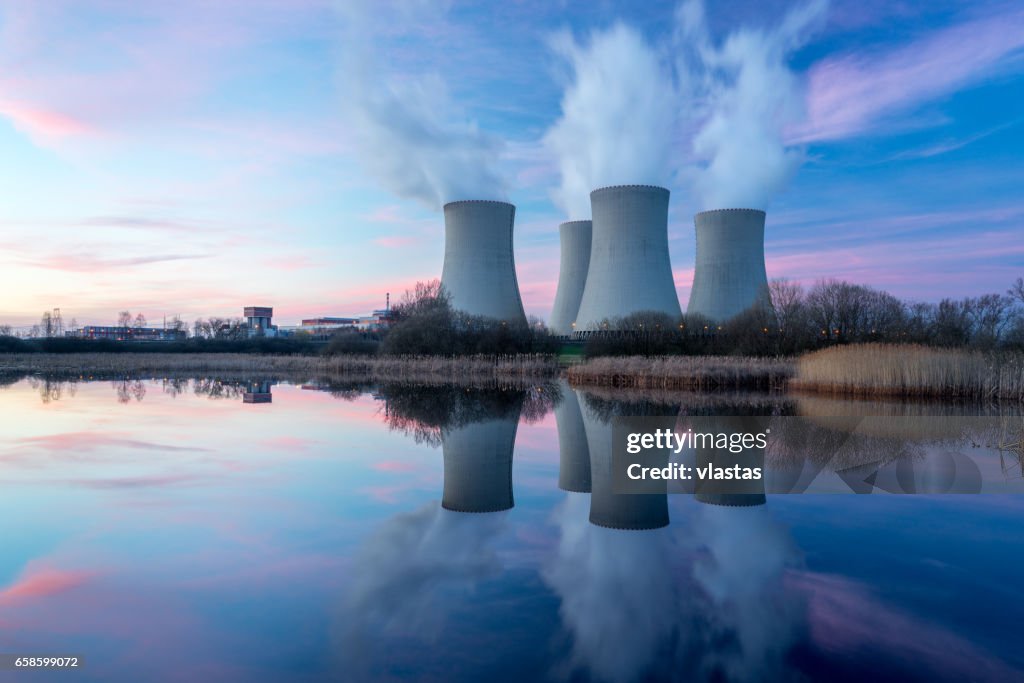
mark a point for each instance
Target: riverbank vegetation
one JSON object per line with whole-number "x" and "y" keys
{"x": 392, "y": 368}
{"x": 911, "y": 371}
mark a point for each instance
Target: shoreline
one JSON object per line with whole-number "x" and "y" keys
{"x": 861, "y": 371}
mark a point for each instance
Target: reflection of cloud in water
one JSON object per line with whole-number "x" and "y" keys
{"x": 619, "y": 597}
{"x": 635, "y": 611}
{"x": 748, "y": 622}
{"x": 408, "y": 576}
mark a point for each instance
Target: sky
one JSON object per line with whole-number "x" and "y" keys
{"x": 193, "y": 158}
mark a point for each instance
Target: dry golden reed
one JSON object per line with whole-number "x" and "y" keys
{"x": 911, "y": 370}
{"x": 396, "y": 368}
{"x": 683, "y": 372}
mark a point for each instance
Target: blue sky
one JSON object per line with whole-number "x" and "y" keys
{"x": 192, "y": 158}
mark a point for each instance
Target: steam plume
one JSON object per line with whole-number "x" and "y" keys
{"x": 745, "y": 95}
{"x": 407, "y": 130}
{"x": 617, "y": 116}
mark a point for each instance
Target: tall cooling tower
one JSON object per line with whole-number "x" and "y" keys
{"x": 479, "y": 269}
{"x": 572, "y": 274}
{"x": 617, "y": 510}
{"x": 729, "y": 276}
{"x": 573, "y": 452}
{"x": 629, "y": 267}
{"x": 478, "y": 465}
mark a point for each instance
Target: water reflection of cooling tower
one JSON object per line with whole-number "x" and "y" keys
{"x": 479, "y": 268}
{"x": 573, "y": 453}
{"x": 572, "y": 275}
{"x": 623, "y": 510}
{"x": 478, "y": 465}
{"x": 629, "y": 270}
{"x": 729, "y": 275}
{"x": 732, "y": 492}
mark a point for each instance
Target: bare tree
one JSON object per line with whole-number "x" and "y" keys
{"x": 124, "y": 319}
{"x": 46, "y": 326}
{"x": 990, "y": 316}
{"x": 140, "y": 320}
{"x": 6, "y": 331}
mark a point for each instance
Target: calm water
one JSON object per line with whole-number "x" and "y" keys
{"x": 203, "y": 531}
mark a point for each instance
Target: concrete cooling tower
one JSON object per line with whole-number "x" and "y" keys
{"x": 618, "y": 510}
{"x": 729, "y": 275}
{"x": 478, "y": 465}
{"x": 572, "y": 275}
{"x": 479, "y": 269}
{"x": 629, "y": 267}
{"x": 732, "y": 492}
{"x": 573, "y": 453}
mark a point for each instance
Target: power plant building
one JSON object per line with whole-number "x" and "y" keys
{"x": 729, "y": 276}
{"x": 575, "y": 238}
{"x": 629, "y": 270}
{"x": 479, "y": 270}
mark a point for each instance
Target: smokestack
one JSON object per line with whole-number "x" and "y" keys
{"x": 629, "y": 267}
{"x": 478, "y": 465}
{"x": 572, "y": 274}
{"x": 479, "y": 269}
{"x": 729, "y": 276}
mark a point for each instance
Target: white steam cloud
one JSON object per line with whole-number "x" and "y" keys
{"x": 746, "y": 95}
{"x": 629, "y": 101}
{"x": 407, "y": 130}
{"x": 617, "y": 116}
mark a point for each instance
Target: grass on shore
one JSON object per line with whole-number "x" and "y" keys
{"x": 911, "y": 371}
{"x": 683, "y": 372}
{"x": 392, "y": 368}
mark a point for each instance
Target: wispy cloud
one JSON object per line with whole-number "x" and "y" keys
{"x": 851, "y": 93}
{"x": 91, "y": 263}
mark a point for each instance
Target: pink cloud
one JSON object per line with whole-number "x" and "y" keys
{"x": 395, "y": 241}
{"x": 37, "y": 582}
{"x": 290, "y": 443}
{"x": 394, "y": 466}
{"x": 850, "y": 93}
{"x": 846, "y": 619}
{"x": 42, "y": 123}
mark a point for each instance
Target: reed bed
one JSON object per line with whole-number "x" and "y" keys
{"x": 390, "y": 368}
{"x": 911, "y": 371}
{"x": 683, "y": 372}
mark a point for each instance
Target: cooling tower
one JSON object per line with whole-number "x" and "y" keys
{"x": 478, "y": 465}
{"x": 573, "y": 453}
{"x": 479, "y": 269}
{"x": 618, "y": 510}
{"x": 629, "y": 267}
{"x": 729, "y": 275}
{"x": 732, "y": 492}
{"x": 572, "y": 274}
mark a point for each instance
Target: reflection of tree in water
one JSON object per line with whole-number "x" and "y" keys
{"x": 53, "y": 389}
{"x": 425, "y": 412}
{"x": 127, "y": 389}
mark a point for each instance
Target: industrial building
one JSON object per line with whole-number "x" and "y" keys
{"x": 729, "y": 275}
{"x": 629, "y": 269}
{"x": 575, "y": 239}
{"x": 479, "y": 271}
{"x": 259, "y": 321}
{"x": 129, "y": 334}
